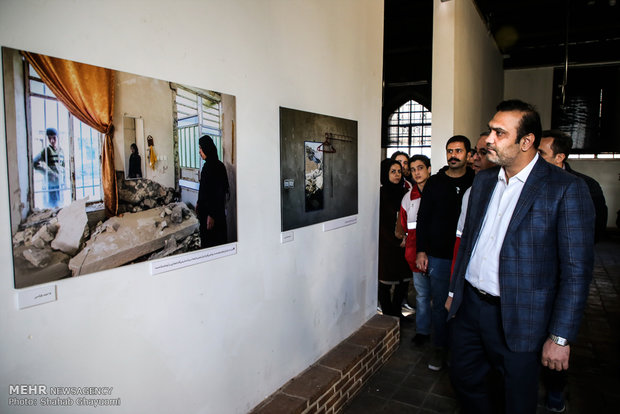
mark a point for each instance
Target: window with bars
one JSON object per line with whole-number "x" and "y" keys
{"x": 197, "y": 114}
{"x": 409, "y": 130}
{"x": 79, "y": 146}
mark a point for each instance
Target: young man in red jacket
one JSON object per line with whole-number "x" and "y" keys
{"x": 420, "y": 166}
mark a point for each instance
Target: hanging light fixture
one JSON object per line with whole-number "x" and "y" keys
{"x": 565, "y": 80}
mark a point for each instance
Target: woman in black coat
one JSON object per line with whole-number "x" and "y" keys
{"x": 393, "y": 267}
{"x": 212, "y": 194}
{"x": 135, "y": 163}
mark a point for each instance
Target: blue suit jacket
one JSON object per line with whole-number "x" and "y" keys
{"x": 546, "y": 259}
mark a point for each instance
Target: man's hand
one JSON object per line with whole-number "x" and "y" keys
{"x": 210, "y": 222}
{"x": 448, "y": 303}
{"x": 555, "y": 356}
{"x": 421, "y": 262}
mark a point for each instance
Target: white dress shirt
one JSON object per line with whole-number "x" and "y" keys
{"x": 483, "y": 269}
{"x": 461, "y": 223}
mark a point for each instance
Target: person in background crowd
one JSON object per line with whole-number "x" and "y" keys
{"x": 436, "y": 225}
{"x": 403, "y": 159}
{"x": 479, "y": 162}
{"x": 393, "y": 267}
{"x": 420, "y": 166}
{"x": 470, "y": 158}
{"x": 555, "y": 148}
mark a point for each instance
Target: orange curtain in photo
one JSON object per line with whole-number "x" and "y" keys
{"x": 88, "y": 93}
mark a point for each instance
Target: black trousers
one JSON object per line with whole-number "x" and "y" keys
{"x": 391, "y": 304}
{"x": 480, "y": 357}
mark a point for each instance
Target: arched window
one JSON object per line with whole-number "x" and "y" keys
{"x": 409, "y": 130}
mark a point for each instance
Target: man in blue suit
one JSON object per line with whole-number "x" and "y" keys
{"x": 524, "y": 265}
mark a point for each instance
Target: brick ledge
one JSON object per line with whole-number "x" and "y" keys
{"x": 327, "y": 385}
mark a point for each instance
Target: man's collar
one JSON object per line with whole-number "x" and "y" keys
{"x": 567, "y": 167}
{"x": 521, "y": 175}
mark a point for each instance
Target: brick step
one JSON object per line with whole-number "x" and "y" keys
{"x": 327, "y": 385}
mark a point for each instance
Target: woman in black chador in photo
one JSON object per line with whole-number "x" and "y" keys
{"x": 212, "y": 194}
{"x": 135, "y": 163}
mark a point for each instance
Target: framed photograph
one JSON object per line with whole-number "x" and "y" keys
{"x": 108, "y": 168}
{"x": 318, "y": 168}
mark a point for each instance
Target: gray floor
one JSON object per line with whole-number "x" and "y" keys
{"x": 405, "y": 384}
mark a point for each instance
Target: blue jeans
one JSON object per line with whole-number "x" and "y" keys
{"x": 439, "y": 273}
{"x": 422, "y": 284}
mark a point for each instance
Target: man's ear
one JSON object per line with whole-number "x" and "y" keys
{"x": 559, "y": 159}
{"x": 526, "y": 142}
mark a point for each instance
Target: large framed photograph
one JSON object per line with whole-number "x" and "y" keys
{"x": 318, "y": 168}
{"x": 108, "y": 168}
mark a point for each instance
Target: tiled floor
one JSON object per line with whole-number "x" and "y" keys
{"x": 406, "y": 385}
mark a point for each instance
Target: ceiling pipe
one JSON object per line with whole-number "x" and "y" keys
{"x": 565, "y": 80}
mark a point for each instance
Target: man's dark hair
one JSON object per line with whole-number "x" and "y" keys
{"x": 484, "y": 134}
{"x": 420, "y": 157}
{"x": 397, "y": 153}
{"x": 562, "y": 142}
{"x": 51, "y": 131}
{"x": 460, "y": 138}
{"x": 530, "y": 120}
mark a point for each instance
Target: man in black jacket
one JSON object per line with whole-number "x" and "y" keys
{"x": 436, "y": 229}
{"x": 555, "y": 148}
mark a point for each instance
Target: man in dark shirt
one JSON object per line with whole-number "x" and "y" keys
{"x": 436, "y": 229}
{"x": 555, "y": 148}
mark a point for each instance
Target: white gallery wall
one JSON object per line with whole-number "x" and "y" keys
{"x": 607, "y": 173}
{"x": 467, "y": 75}
{"x": 217, "y": 337}
{"x": 534, "y": 86}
